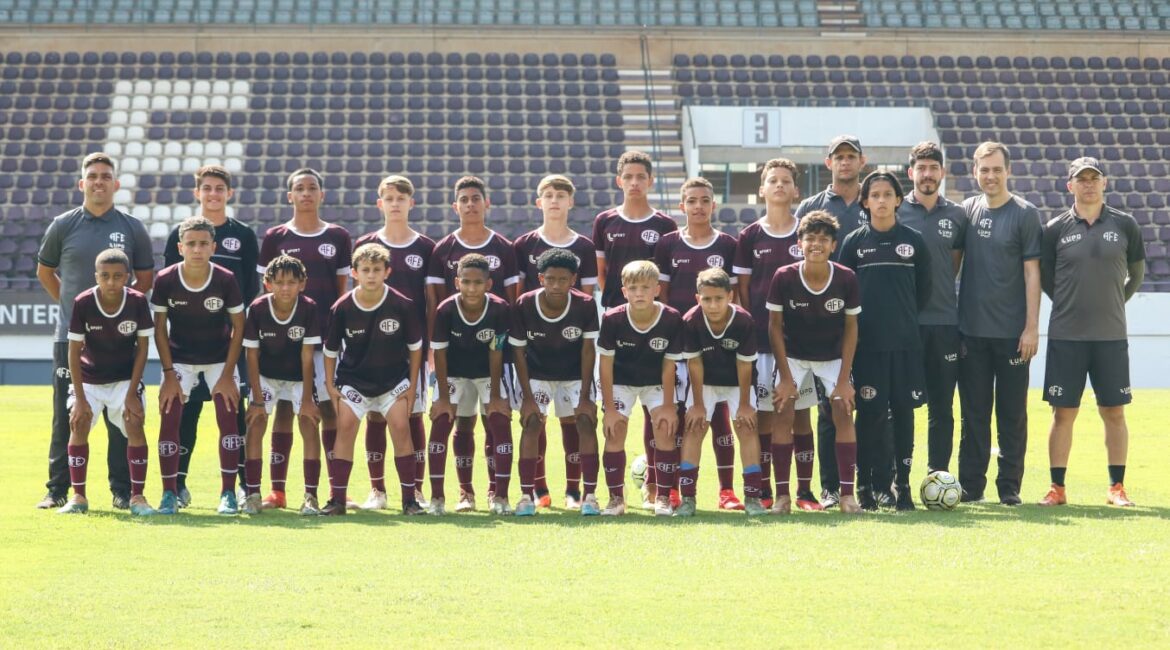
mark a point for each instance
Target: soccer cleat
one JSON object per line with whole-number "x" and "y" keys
{"x": 615, "y": 508}
{"x": 850, "y": 506}
{"x": 647, "y": 497}
{"x": 376, "y": 501}
{"x": 241, "y": 494}
{"x": 350, "y": 504}
{"x": 766, "y": 495}
{"x": 885, "y": 498}
{"x": 139, "y": 507}
{"x": 500, "y": 506}
{"x": 1010, "y": 500}
{"x": 525, "y": 507}
{"x": 830, "y": 499}
{"x": 904, "y": 502}
{"x": 686, "y": 508}
{"x": 728, "y": 500}
{"x": 572, "y": 500}
{"x": 466, "y": 501}
{"x": 74, "y": 506}
{"x": 544, "y": 500}
{"x": 184, "y": 496}
{"x": 169, "y": 504}
{"x": 589, "y": 506}
{"x": 663, "y": 507}
{"x": 675, "y": 498}
{"x": 437, "y": 507}
{"x": 120, "y": 502}
{"x": 332, "y": 509}
{"x": 51, "y": 501}
{"x": 782, "y": 505}
{"x": 412, "y": 508}
{"x": 253, "y": 504}
{"x": 866, "y": 500}
{"x": 422, "y": 501}
{"x": 309, "y": 507}
{"x": 753, "y": 508}
{"x": 1055, "y": 496}
{"x": 971, "y": 497}
{"x": 228, "y": 504}
{"x": 275, "y": 500}
{"x": 807, "y": 502}
{"x": 1117, "y": 496}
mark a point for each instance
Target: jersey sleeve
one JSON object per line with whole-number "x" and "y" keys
{"x": 591, "y": 323}
{"x": 1048, "y": 256}
{"x": 587, "y": 272}
{"x": 435, "y": 265}
{"x": 599, "y": 237}
{"x": 508, "y": 261}
{"x": 1031, "y": 232}
{"x": 961, "y": 227}
{"x": 249, "y": 255}
{"x": 516, "y": 327}
{"x": 336, "y": 328}
{"x": 692, "y": 347}
{"x": 776, "y": 292}
{"x": 741, "y": 262}
{"x": 232, "y": 295}
{"x": 267, "y": 252}
{"x": 414, "y": 329}
{"x": 662, "y": 251}
{"x": 922, "y": 274}
{"x": 50, "y": 252}
{"x": 674, "y": 349}
{"x": 252, "y": 329}
{"x": 852, "y": 294}
{"x": 607, "y": 337}
{"x": 441, "y": 335}
{"x": 748, "y": 349}
{"x": 144, "y": 318}
{"x": 1136, "y": 251}
{"x": 312, "y": 326}
{"x": 848, "y": 256}
{"x": 159, "y": 293}
{"x": 76, "y": 322}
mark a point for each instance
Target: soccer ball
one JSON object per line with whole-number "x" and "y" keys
{"x": 638, "y": 471}
{"x": 940, "y": 491}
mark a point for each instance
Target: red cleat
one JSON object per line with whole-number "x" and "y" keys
{"x": 675, "y": 499}
{"x": 545, "y": 501}
{"x": 728, "y": 500}
{"x": 807, "y": 502}
{"x": 274, "y": 500}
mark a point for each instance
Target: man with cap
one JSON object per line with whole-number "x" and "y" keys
{"x": 1091, "y": 262}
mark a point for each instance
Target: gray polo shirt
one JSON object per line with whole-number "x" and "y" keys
{"x": 848, "y": 214}
{"x": 944, "y": 230}
{"x": 72, "y": 243}
{"x": 992, "y": 301}
{"x": 1086, "y": 267}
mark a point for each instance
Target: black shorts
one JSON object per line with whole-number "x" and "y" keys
{"x": 885, "y": 380}
{"x": 1105, "y": 363}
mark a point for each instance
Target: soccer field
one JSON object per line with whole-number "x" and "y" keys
{"x": 1084, "y": 575}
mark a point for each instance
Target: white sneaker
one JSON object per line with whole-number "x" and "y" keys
{"x": 466, "y": 502}
{"x": 252, "y": 504}
{"x": 376, "y": 501}
{"x": 437, "y": 507}
{"x": 500, "y": 506}
{"x": 662, "y": 507}
{"x": 615, "y": 508}
{"x": 310, "y": 506}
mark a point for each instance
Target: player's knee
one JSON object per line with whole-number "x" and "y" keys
{"x": 1112, "y": 415}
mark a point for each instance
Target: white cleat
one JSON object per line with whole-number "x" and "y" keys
{"x": 422, "y": 501}
{"x": 615, "y": 508}
{"x": 466, "y": 502}
{"x": 500, "y": 506}
{"x": 437, "y": 507}
{"x": 662, "y": 507}
{"x": 376, "y": 501}
{"x": 310, "y": 508}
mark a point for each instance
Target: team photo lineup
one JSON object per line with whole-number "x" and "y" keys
{"x": 845, "y": 311}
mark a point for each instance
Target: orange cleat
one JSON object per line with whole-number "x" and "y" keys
{"x": 675, "y": 499}
{"x": 728, "y": 500}
{"x": 545, "y": 501}
{"x": 1055, "y": 497}
{"x": 1117, "y": 496}
{"x": 274, "y": 500}
{"x": 807, "y": 502}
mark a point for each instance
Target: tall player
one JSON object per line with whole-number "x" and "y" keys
{"x": 324, "y": 249}
{"x": 410, "y": 251}
{"x": 681, "y": 256}
{"x": 1092, "y": 262}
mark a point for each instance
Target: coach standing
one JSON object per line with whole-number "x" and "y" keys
{"x": 999, "y": 321}
{"x": 65, "y": 268}
{"x": 1092, "y": 262}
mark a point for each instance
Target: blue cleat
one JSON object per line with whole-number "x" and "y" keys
{"x": 590, "y": 507}
{"x": 75, "y": 506}
{"x": 169, "y": 504}
{"x": 228, "y": 504}
{"x": 139, "y": 507}
{"x": 525, "y": 507}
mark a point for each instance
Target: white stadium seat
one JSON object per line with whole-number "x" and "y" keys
{"x": 219, "y": 103}
{"x": 141, "y": 212}
{"x": 123, "y": 196}
{"x": 199, "y": 103}
{"x": 161, "y": 213}
{"x": 119, "y": 117}
{"x": 181, "y": 212}
{"x": 134, "y": 133}
{"x": 234, "y": 165}
{"x": 233, "y": 149}
{"x": 159, "y": 230}
{"x": 152, "y": 148}
{"x": 173, "y": 148}
{"x": 149, "y": 165}
{"x": 191, "y": 165}
{"x": 116, "y": 134}
{"x": 134, "y": 149}
{"x": 123, "y": 88}
{"x": 128, "y": 181}
{"x": 113, "y": 148}
{"x": 140, "y": 102}
{"x": 120, "y": 103}
{"x": 180, "y": 103}
{"x": 238, "y": 103}
{"x": 171, "y": 165}
{"x": 139, "y": 117}
{"x": 162, "y": 87}
{"x": 221, "y": 87}
{"x": 143, "y": 87}
{"x": 213, "y": 149}
{"x": 241, "y": 88}
{"x": 160, "y": 103}
{"x": 182, "y": 87}
{"x": 194, "y": 149}
{"x": 201, "y": 87}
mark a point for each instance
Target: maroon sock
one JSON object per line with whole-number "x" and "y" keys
{"x": 846, "y": 463}
{"x": 312, "y": 467}
{"x": 805, "y": 454}
{"x": 688, "y": 481}
{"x": 650, "y": 447}
{"x": 136, "y": 458}
{"x": 489, "y": 454}
{"x": 376, "y": 453}
{"x": 464, "y": 444}
{"x": 666, "y": 464}
{"x": 501, "y": 434}
{"x": 230, "y": 443}
{"x": 437, "y": 450}
{"x": 282, "y": 442}
{"x": 168, "y": 446}
{"x": 541, "y": 481}
{"x": 328, "y": 438}
{"x": 571, "y": 440}
{"x": 404, "y": 465}
{"x": 590, "y": 465}
{"x": 615, "y": 471}
{"x": 252, "y": 474}
{"x": 723, "y": 443}
{"x": 751, "y": 485}
{"x": 339, "y": 470}
{"x": 418, "y": 439}
{"x": 78, "y": 464}
{"x": 527, "y": 468}
{"x": 782, "y": 458}
{"x": 766, "y": 461}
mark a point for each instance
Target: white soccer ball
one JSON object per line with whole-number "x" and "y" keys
{"x": 940, "y": 491}
{"x": 638, "y": 471}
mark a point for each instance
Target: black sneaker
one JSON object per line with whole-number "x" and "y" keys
{"x": 413, "y": 508}
{"x": 885, "y": 498}
{"x": 1010, "y": 500}
{"x": 830, "y": 498}
{"x": 866, "y": 500}
{"x": 51, "y": 501}
{"x": 333, "y": 509}
{"x": 121, "y": 502}
{"x": 904, "y": 501}
{"x": 970, "y": 497}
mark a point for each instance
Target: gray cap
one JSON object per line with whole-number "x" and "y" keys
{"x": 840, "y": 140}
{"x": 1081, "y": 164}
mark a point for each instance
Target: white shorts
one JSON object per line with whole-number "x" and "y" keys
{"x": 713, "y": 395}
{"x": 274, "y": 390}
{"x": 188, "y": 376}
{"x": 682, "y": 382}
{"x": 420, "y": 391}
{"x": 765, "y": 381}
{"x": 111, "y": 397}
{"x": 624, "y": 397}
{"x": 562, "y": 395}
{"x": 805, "y": 373}
{"x": 362, "y": 405}
{"x": 319, "y": 376}
{"x": 466, "y": 393}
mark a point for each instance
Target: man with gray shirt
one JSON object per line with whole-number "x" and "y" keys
{"x": 943, "y": 226}
{"x": 1091, "y": 262}
{"x": 65, "y": 269}
{"x": 999, "y": 321}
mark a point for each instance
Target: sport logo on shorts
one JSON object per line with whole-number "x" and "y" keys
{"x": 483, "y": 336}
{"x": 715, "y": 261}
{"x": 128, "y": 327}
{"x": 493, "y": 262}
{"x": 296, "y": 333}
{"x": 868, "y": 392}
{"x": 541, "y": 397}
{"x": 213, "y": 304}
{"x": 571, "y": 333}
{"x": 834, "y": 305}
{"x": 266, "y": 395}
{"x": 231, "y": 244}
{"x": 730, "y": 344}
{"x": 389, "y": 326}
{"x": 327, "y": 250}
{"x": 650, "y": 236}
{"x": 905, "y": 251}
{"x": 658, "y": 344}
{"x": 619, "y": 405}
{"x": 1055, "y": 391}
{"x": 414, "y": 261}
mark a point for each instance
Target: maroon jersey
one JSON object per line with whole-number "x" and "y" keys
{"x": 531, "y": 245}
{"x": 761, "y": 253}
{"x": 638, "y": 353}
{"x": 552, "y": 342}
{"x": 620, "y": 241}
{"x": 377, "y": 342}
{"x": 199, "y": 327}
{"x": 280, "y": 341}
{"x": 814, "y": 322}
{"x": 325, "y": 254}
{"x": 109, "y": 340}
{"x": 469, "y": 344}
{"x": 737, "y": 342}
{"x": 679, "y": 263}
{"x": 408, "y": 267}
{"x": 498, "y": 251}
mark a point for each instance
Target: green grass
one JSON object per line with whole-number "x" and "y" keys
{"x": 982, "y": 576}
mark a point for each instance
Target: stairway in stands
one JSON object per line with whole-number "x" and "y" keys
{"x": 840, "y": 15}
{"x": 651, "y": 122}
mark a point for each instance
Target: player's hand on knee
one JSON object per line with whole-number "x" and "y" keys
{"x": 441, "y": 407}
{"x": 696, "y": 420}
{"x": 843, "y": 397}
{"x": 169, "y": 393}
{"x": 745, "y": 417}
{"x": 256, "y": 417}
{"x": 499, "y": 405}
{"x": 528, "y": 409}
{"x": 665, "y": 419}
{"x": 784, "y": 393}
{"x": 132, "y": 411}
{"x": 80, "y": 416}
{"x": 230, "y": 392}
{"x": 310, "y": 412}
{"x": 586, "y": 414}
{"x": 612, "y": 421}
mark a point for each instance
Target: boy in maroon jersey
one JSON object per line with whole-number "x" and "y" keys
{"x": 199, "y": 330}
{"x": 681, "y": 256}
{"x": 554, "y": 197}
{"x": 324, "y": 248}
{"x": 765, "y": 246}
{"x": 813, "y": 329}
{"x": 639, "y": 344}
{"x": 280, "y": 337}
{"x": 552, "y": 336}
{"x": 468, "y": 339}
{"x": 107, "y": 354}
{"x": 410, "y": 251}
{"x": 720, "y": 368}
{"x": 373, "y": 354}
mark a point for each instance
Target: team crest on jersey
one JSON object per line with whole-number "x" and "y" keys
{"x": 650, "y": 236}
{"x": 571, "y": 333}
{"x": 867, "y": 392}
{"x": 493, "y": 262}
{"x": 658, "y": 344}
{"x": 834, "y": 305}
{"x": 118, "y": 240}
{"x": 231, "y": 244}
{"x": 905, "y": 251}
{"x": 715, "y": 261}
{"x": 296, "y": 333}
{"x": 327, "y": 250}
{"x": 213, "y": 304}
{"x": 389, "y": 326}
{"x": 414, "y": 261}
{"x": 730, "y": 344}
{"x": 483, "y": 336}
{"x": 1111, "y": 236}
{"x": 794, "y": 251}
{"x": 127, "y": 327}
{"x": 946, "y": 224}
